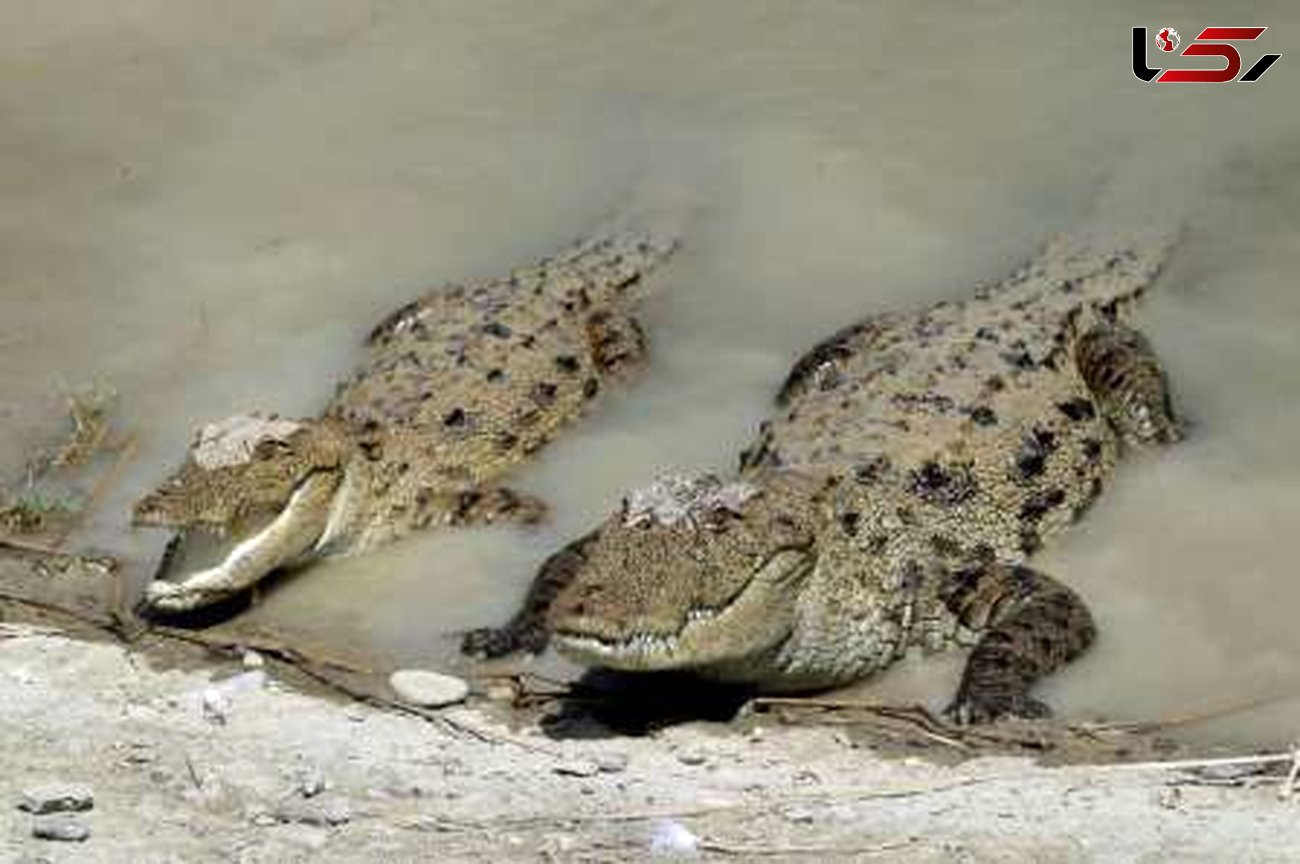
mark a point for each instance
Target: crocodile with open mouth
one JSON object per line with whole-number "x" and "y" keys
{"x": 456, "y": 389}
{"x": 914, "y": 464}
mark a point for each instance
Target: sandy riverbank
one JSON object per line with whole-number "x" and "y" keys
{"x": 277, "y": 775}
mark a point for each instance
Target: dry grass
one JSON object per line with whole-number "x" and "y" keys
{"x": 34, "y": 507}
{"x": 89, "y": 409}
{"x": 35, "y": 511}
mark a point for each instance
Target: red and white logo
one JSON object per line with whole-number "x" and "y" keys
{"x": 1210, "y": 42}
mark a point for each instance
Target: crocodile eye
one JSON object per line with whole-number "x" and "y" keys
{"x": 270, "y": 448}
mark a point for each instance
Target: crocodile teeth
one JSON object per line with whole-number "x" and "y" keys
{"x": 641, "y": 644}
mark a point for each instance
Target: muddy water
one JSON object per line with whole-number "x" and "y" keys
{"x": 207, "y": 205}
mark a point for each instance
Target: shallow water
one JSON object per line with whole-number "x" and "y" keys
{"x": 207, "y": 205}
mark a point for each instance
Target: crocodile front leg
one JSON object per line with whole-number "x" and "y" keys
{"x": 493, "y": 505}
{"x": 1120, "y": 367}
{"x": 1032, "y": 624}
{"x": 291, "y": 536}
{"x": 527, "y": 630}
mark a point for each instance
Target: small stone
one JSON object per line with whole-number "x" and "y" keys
{"x": 253, "y": 660}
{"x": 57, "y": 798}
{"x": 799, "y": 815}
{"x": 1227, "y": 774}
{"x": 216, "y": 707}
{"x": 692, "y": 757}
{"x": 337, "y": 812}
{"x": 577, "y": 768}
{"x": 502, "y": 691}
{"x": 670, "y": 837}
{"x": 322, "y": 812}
{"x": 312, "y": 784}
{"x": 429, "y": 689}
{"x": 62, "y": 827}
{"x": 612, "y": 763}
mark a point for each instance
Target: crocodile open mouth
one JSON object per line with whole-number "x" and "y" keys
{"x": 758, "y": 617}
{"x": 261, "y": 545}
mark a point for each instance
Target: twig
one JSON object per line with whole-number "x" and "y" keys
{"x": 820, "y": 702}
{"x": 266, "y": 645}
{"x": 26, "y": 546}
{"x": 1148, "y": 726}
{"x": 916, "y": 716}
{"x": 1288, "y": 786}
{"x": 1186, "y": 764}
{"x": 194, "y": 774}
{"x": 757, "y": 851}
{"x": 25, "y": 631}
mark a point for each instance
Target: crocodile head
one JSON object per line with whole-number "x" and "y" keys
{"x": 266, "y": 486}
{"x": 693, "y": 573}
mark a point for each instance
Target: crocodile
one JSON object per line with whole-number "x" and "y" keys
{"x": 455, "y": 389}
{"x": 914, "y": 463}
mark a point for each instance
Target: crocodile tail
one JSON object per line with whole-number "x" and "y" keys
{"x": 1092, "y": 268}
{"x": 633, "y": 241}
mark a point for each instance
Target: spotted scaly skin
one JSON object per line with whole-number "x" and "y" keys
{"x": 915, "y": 462}
{"x": 455, "y": 390}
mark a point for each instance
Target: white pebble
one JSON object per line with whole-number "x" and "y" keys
{"x": 670, "y": 837}
{"x": 56, "y": 798}
{"x": 577, "y": 768}
{"x": 61, "y": 826}
{"x": 216, "y": 707}
{"x": 429, "y": 689}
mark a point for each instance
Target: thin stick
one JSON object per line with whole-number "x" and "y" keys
{"x": 820, "y": 702}
{"x": 756, "y": 851}
{"x": 194, "y": 774}
{"x": 25, "y": 546}
{"x": 1143, "y": 726}
{"x": 1184, "y": 764}
{"x": 1288, "y": 787}
{"x": 264, "y": 644}
{"x": 917, "y": 716}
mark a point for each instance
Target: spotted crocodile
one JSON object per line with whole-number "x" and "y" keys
{"x": 456, "y": 389}
{"x": 914, "y": 464}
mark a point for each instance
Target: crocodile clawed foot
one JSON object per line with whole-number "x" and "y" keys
{"x": 492, "y": 642}
{"x": 972, "y": 709}
{"x": 173, "y": 598}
